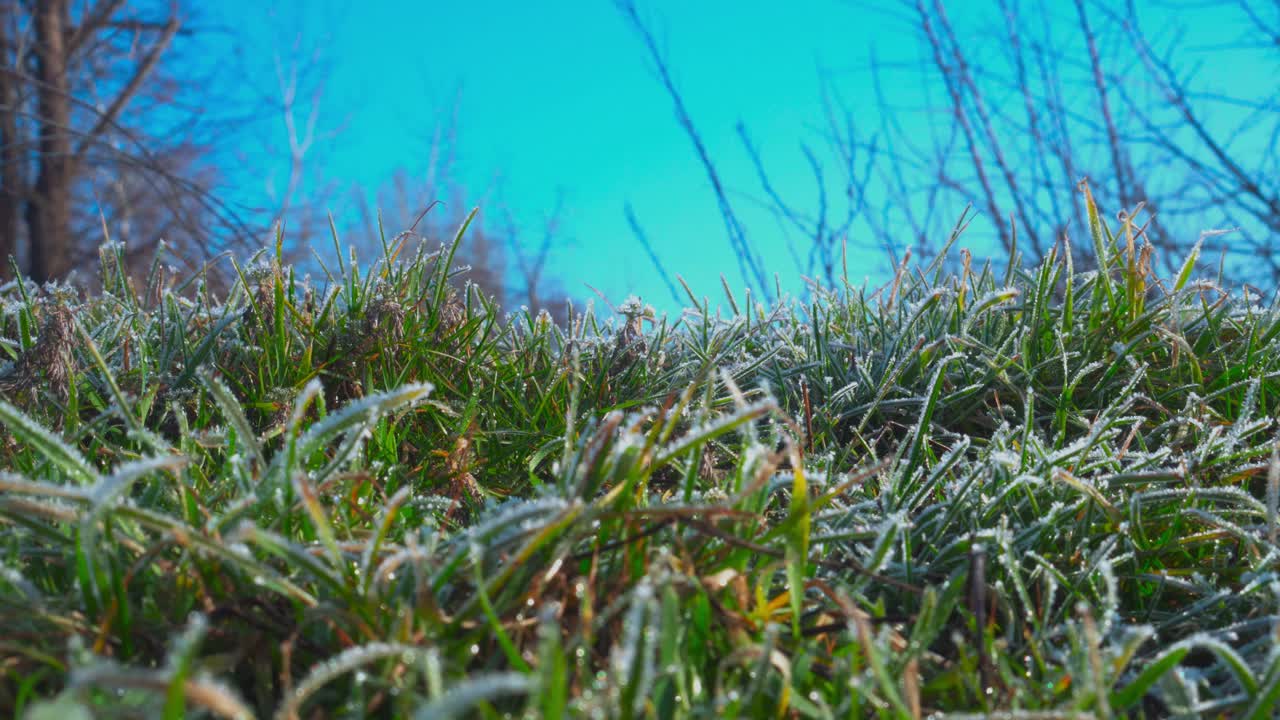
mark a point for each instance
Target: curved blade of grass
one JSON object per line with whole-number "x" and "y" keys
{"x": 1131, "y": 694}
{"x": 47, "y": 445}
{"x": 462, "y": 697}
{"x": 347, "y": 661}
{"x": 234, "y": 413}
{"x": 358, "y": 412}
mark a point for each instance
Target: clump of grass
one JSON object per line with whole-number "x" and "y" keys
{"x": 1041, "y": 492}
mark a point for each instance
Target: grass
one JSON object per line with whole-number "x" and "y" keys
{"x": 1038, "y": 492}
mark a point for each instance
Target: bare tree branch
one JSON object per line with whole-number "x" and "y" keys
{"x": 750, "y": 265}
{"x": 643, "y": 239}
{"x": 148, "y": 63}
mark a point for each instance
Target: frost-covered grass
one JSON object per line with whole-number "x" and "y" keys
{"x": 1042, "y": 492}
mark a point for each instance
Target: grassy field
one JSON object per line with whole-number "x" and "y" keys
{"x": 1039, "y": 492}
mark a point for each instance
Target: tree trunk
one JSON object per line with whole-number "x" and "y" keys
{"x": 11, "y": 181}
{"x": 49, "y": 206}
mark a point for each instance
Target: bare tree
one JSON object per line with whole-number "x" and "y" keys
{"x": 498, "y": 253}
{"x": 506, "y": 258}
{"x": 284, "y": 65}
{"x": 399, "y": 205}
{"x": 1095, "y": 95}
{"x": 1017, "y": 117}
{"x": 535, "y": 288}
{"x": 99, "y": 120}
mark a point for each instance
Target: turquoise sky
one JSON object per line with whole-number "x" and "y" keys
{"x": 557, "y": 101}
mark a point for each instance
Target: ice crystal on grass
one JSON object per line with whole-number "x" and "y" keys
{"x": 461, "y": 699}
{"x": 348, "y": 661}
{"x": 768, "y": 509}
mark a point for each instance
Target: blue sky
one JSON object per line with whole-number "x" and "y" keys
{"x": 557, "y": 100}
